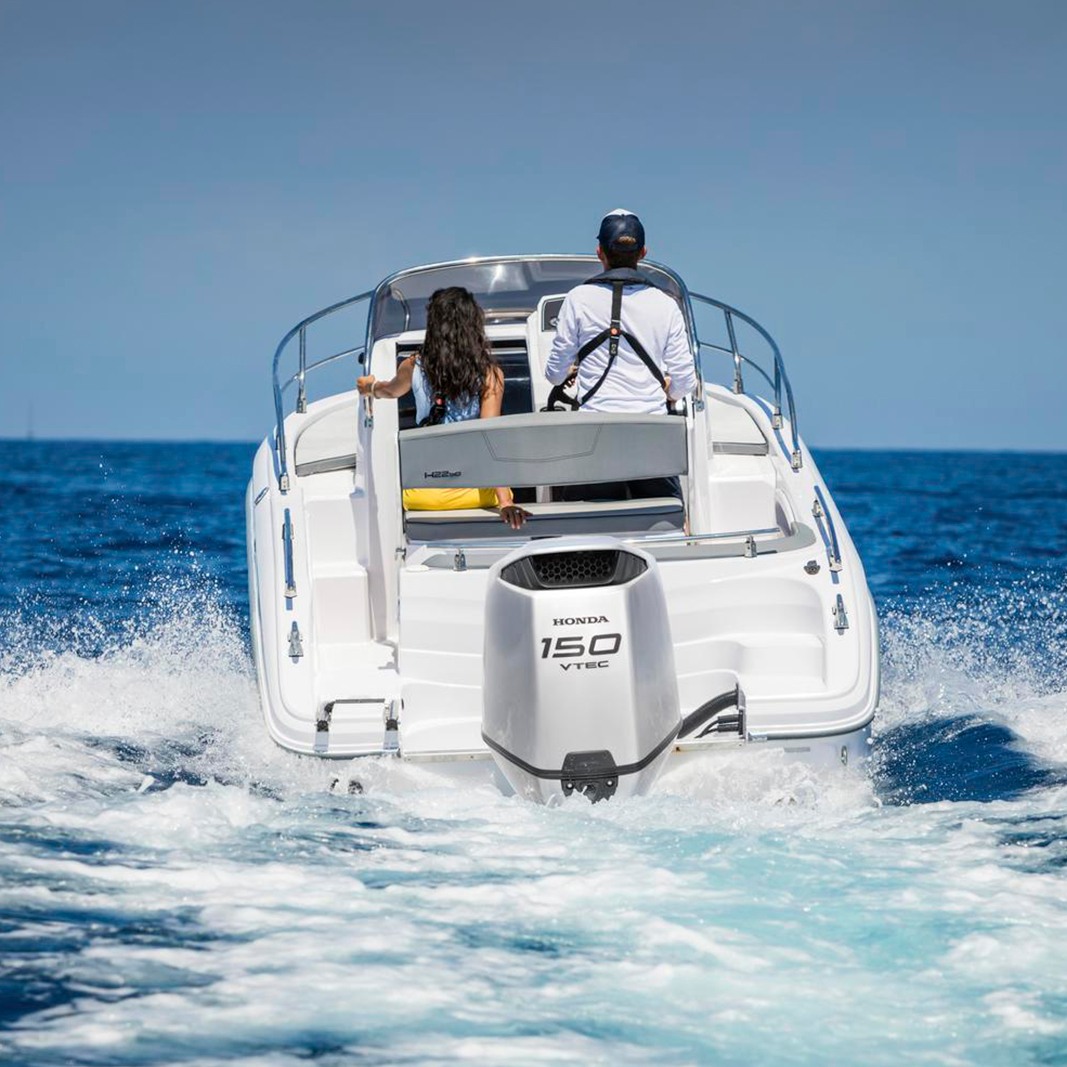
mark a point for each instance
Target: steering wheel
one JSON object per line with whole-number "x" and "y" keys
{"x": 560, "y": 400}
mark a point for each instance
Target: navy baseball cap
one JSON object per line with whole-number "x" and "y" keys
{"x": 621, "y": 231}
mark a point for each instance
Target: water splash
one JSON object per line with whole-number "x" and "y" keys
{"x": 973, "y": 693}
{"x": 174, "y": 884}
{"x": 171, "y": 695}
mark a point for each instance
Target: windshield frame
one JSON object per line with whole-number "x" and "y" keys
{"x": 480, "y": 261}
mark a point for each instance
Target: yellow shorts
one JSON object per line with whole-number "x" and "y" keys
{"x": 448, "y": 499}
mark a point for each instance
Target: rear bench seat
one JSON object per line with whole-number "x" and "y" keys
{"x": 659, "y": 514}
{"x": 545, "y": 448}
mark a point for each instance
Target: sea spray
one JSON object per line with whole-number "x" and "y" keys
{"x": 175, "y": 888}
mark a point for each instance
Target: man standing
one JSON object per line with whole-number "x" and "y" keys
{"x": 625, "y": 341}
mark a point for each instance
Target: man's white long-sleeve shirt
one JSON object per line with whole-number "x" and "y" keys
{"x": 653, "y": 318}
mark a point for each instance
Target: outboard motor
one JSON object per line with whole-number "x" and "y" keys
{"x": 580, "y": 693}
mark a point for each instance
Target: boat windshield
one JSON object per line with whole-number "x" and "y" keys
{"x": 508, "y": 289}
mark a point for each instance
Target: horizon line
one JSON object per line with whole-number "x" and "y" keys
{"x": 248, "y": 442}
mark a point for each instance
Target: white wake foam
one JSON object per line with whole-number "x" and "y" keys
{"x": 200, "y": 895}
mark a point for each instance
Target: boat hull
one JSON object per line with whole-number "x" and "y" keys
{"x": 380, "y": 631}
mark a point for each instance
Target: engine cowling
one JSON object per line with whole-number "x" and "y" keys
{"x": 580, "y": 693}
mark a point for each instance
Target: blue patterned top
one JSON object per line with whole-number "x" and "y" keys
{"x": 455, "y": 410}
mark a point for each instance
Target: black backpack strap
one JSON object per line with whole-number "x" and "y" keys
{"x": 436, "y": 414}
{"x": 617, "y": 278}
{"x": 612, "y": 335}
{"x": 438, "y": 406}
{"x": 627, "y": 275}
{"x": 646, "y": 359}
{"x": 612, "y": 332}
{"x": 591, "y": 346}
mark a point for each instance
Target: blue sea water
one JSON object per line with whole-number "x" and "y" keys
{"x": 174, "y": 889}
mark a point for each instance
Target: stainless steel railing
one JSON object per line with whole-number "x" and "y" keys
{"x": 299, "y": 377}
{"x": 474, "y": 551}
{"x": 821, "y": 514}
{"x": 779, "y": 384}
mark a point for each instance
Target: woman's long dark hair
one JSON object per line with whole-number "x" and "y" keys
{"x": 456, "y": 356}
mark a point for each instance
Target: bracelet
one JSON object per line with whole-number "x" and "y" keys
{"x": 372, "y": 386}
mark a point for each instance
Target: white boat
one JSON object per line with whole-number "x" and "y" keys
{"x": 602, "y": 646}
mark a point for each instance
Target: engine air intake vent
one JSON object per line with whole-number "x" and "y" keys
{"x": 574, "y": 570}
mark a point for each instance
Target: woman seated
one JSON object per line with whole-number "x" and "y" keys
{"x": 454, "y": 378}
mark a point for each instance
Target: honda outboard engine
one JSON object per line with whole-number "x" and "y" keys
{"x": 580, "y": 693}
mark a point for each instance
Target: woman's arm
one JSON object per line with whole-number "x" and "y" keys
{"x": 396, "y": 387}
{"x": 492, "y": 394}
{"x": 492, "y": 402}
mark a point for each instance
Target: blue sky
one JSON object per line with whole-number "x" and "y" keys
{"x": 881, "y": 184}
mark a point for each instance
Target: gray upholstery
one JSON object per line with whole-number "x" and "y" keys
{"x": 547, "y": 448}
{"x": 660, "y": 514}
